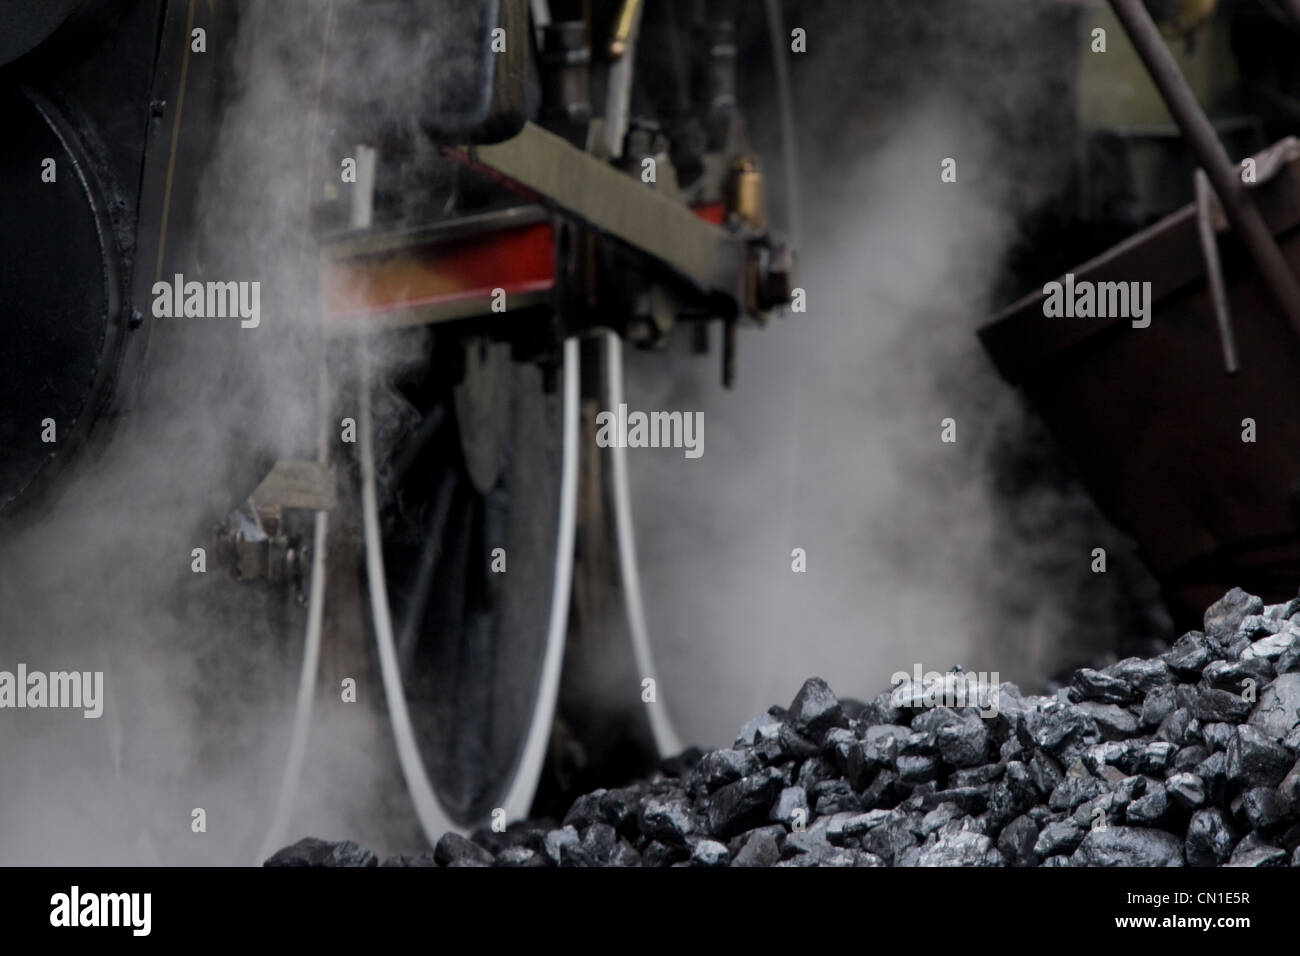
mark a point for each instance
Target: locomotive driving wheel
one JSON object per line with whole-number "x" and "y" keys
{"x": 468, "y": 503}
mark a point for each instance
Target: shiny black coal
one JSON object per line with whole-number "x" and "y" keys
{"x": 1186, "y": 759}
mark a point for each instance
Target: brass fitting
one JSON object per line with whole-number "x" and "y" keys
{"x": 745, "y": 192}
{"x": 623, "y": 28}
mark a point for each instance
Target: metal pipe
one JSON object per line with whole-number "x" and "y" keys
{"x": 618, "y": 87}
{"x": 785, "y": 110}
{"x": 1237, "y": 203}
{"x": 624, "y": 27}
{"x": 1214, "y": 272}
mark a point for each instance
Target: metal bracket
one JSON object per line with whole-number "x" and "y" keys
{"x": 612, "y": 202}
{"x": 308, "y": 485}
{"x": 254, "y": 538}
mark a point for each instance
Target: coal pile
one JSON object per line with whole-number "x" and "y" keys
{"x": 1185, "y": 759}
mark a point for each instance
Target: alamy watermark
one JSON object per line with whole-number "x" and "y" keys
{"x": 956, "y": 688}
{"x": 75, "y": 908}
{"x": 624, "y": 429}
{"x": 73, "y": 690}
{"x": 208, "y": 300}
{"x": 1083, "y": 299}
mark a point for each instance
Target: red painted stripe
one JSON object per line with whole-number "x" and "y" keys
{"x": 516, "y": 260}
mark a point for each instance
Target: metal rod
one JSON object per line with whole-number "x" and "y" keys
{"x": 785, "y": 109}
{"x": 1214, "y": 272}
{"x": 1213, "y": 158}
{"x": 624, "y": 26}
{"x": 729, "y": 337}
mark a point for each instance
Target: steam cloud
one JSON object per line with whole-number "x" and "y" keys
{"x": 200, "y": 670}
{"x": 917, "y": 551}
{"x": 831, "y": 443}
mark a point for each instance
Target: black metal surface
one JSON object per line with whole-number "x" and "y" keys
{"x": 59, "y": 293}
{"x": 433, "y": 61}
{"x": 68, "y": 246}
{"x": 29, "y": 23}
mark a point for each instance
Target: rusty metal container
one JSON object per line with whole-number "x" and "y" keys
{"x": 1156, "y": 425}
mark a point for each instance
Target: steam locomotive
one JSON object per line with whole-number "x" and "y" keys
{"x": 497, "y": 193}
{"x": 467, "y": 210}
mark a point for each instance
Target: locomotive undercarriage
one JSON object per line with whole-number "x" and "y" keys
{"x": 460, "y": 483}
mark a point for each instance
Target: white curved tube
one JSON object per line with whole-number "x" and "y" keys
{"x": 665, "y": 735}
{"x": 520, "y": 797}
{"x": 275, "y": 833}
{"x": 307, "y": 676}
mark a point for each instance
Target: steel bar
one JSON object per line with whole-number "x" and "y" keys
{"x": 620, "y": 205}
{"x": 1237, "y": 203}
{"x": 1214, "y": 272}
{"x": 624, "y": 26}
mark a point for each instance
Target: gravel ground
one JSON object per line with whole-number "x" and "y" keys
{"x": 1184, "y": 759}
